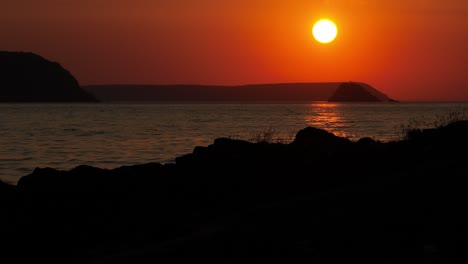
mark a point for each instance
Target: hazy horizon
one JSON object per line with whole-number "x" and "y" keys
{"x": 410, "y": 50}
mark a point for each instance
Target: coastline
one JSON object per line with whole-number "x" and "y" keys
{"x": 320, "y": 198}
{"x": 111, "y": 135}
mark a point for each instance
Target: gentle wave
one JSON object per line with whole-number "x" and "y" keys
{"x": 111, "y": 135}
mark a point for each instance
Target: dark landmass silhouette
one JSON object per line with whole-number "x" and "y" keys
{"x": 358, "y": 92}
{"x": 28, "y": 77}
{"x": 243, "y": 93}
{"x": 319, "y": 199}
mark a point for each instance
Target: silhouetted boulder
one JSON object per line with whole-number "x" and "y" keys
{"x": 358, "y": 92}
{"x": 456, "y": 130}
{"x": 3, "y": 185}
{"x": 89, "y": 179}
{"x": 447, "y": 136}
{"x": 316, "y": 137}
{"x": 6, "y": 189}
{"x": 27, "y": 77}
{"x": 8, "y": 201}
{"x": 366, "y": 141}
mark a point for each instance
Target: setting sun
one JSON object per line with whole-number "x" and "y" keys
{"x": 324, "y": 31}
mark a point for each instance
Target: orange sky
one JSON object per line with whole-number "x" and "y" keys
{"x": 409, "y": 49}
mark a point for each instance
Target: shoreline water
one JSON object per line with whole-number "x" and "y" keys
{"x": 109, "y": 135}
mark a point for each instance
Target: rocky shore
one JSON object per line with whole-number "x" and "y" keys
{"x": 319, "y": 199}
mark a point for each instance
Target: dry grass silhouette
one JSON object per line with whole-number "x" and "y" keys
{"x": 403, "y": 130}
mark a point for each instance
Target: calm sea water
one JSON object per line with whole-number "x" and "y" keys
{"x": 63, "y": 136}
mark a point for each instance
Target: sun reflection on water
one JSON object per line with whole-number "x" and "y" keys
{"x": 328, "y": 116}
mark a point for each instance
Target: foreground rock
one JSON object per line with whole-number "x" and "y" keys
{"x": 27, "y": 77}
{"x": 320, "y": 199}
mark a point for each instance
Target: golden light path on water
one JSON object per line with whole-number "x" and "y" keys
{"x": 328, "y": 116}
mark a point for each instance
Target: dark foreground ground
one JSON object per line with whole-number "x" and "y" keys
{"x": 320, "y": 199}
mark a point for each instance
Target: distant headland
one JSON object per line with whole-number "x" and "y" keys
{"x": 28, "y": 77}
{"x": 320, "y": 91}
{"x": 358, "y": 92}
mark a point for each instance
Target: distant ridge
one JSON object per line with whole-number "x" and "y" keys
{"x": 255, "y": 92}
{"x": 28, "y": 77}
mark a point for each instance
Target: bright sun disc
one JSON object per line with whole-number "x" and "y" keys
{"x": 324, "y": 31}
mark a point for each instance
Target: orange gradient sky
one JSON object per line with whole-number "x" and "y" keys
{"x": 408, "y": 49}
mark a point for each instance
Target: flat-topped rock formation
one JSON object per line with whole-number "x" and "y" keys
{"x": 243, "y": 93}
{"x": 358, "y": 92}
{"x": 28, "y": 77}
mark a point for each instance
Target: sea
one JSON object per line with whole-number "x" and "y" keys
{"x": 110, "y": 135}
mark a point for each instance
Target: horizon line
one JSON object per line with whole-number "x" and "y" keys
{"x": 223, "y": 85}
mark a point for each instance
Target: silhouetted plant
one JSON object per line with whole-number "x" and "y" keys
{"x": 403, "y": 130}
{"x": 270, "y": 135}
{"x": 265, "y": 136}
{"x": 414, "y": 126}
{"x": 450, "y": 117}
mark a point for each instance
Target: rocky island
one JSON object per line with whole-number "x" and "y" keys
{"x": 28, "y": 77}
{"x": 358, "y": 92}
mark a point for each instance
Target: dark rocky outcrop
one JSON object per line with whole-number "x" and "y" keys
{"x": 27, "y": 77}
{"x": 319, "y": 199}
{"x": 315, "y": 137}
{"x": 358, "y": 92}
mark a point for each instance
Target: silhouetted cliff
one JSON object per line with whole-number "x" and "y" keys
{"x": 358, "y": 92}
{"x": 27, "y": 77}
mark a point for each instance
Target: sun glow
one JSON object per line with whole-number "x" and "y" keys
{"x": 324, "y": 31}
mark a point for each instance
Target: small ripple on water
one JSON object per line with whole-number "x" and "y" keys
{"x": 111, "y": 135}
